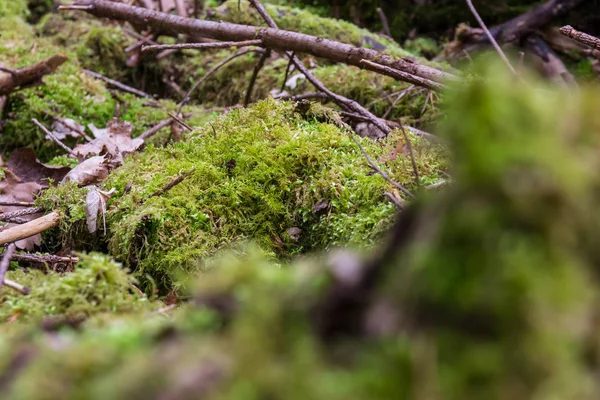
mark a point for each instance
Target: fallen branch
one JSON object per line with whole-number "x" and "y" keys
{"x": 29, "y": 229}
{"x": 549, "y": 63}
{"x": 513, "y": 30}
{"x": 16, "y": 79}
{"x": 16, "y": 286}
{"x": 44, "y": 258}
{"x": 272, "y": 38}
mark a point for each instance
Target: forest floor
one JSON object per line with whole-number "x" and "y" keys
{"x": 293, "y": 206}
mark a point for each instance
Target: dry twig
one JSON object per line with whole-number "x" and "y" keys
{"x": 16, "y": 79}
{"x": 202, "y": 46}
{"x": 5, "y": 262}
{"x": 490, "y": 36}
{"x": 581, "y": 37}
{"x": 29, "y": 229}
{"x": 53, "y": 137}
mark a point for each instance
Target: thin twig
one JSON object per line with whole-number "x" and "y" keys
{"x": 152, "y": 131}
{"x": 379, "y": 170}
{"x": 173, "y": 183}
{"x": 340, "y": 100}
{"x": 259, "y": 65}
{"x": 118, "y": 84}
{"x": 384, "y": 22}
{"x": 20, "y": 213}
{"x": 490, "y": 36}
{"x": 6, "y": 262}
{"x": 287, "y": 71}
{"x": 412, "y": 156}
{"x": 53, "y": 137}
{"x": 16, "y": 286}
{"x": 304, "y": 96}
{"x": 581, "y": 37}
{"x": 201, "y": 46}
{"x": 405, "y": 76}
{"x": 212, "y": 71}
{"x": 17, "y": 203}
{"x": 394, "y": 200}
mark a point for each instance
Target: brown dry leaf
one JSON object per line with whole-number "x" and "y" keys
{"x": 91, "y": 171}
{"x": 95, "y": 203}
{"x": 23, "y": 163}
{"x": 66, "y": 127}
{"x": 115, "y": 141}
{"x": 13, "y": 189}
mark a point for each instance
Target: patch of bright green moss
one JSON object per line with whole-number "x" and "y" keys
{"x": 259, "y": 172}
{"x": 97, "y": 285}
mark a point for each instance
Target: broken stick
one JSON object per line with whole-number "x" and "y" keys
{"x": 16, "y": 79}
{"x": 29, "y": 229}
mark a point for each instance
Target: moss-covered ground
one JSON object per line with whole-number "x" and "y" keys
{"x": 490, "y": 290}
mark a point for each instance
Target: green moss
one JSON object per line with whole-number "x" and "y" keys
{"x": 13, "y": 8}
{"x": 97, "y": 285}
{"x": 259, "y": 172}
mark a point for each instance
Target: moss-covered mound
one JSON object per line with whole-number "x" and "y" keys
{"x": 266, "y": 174}
{"x": 97, "y": 285}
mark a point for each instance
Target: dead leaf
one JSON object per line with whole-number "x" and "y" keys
{"x": 28, "y": 168}
{"x": 95, "y": 203}
{"x": 13, "y": 189}
{"x": 114, "y": 141}
{"x": 88, "y": 172}
{"x": 66, "y": 127}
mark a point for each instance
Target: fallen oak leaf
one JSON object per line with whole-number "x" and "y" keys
{"x": 114, "y": 141}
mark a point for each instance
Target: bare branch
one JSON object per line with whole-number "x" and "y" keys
{"x": 272, "y": 38}
{"x": 29, "y": 229}
{"x": 259, "y": 65}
